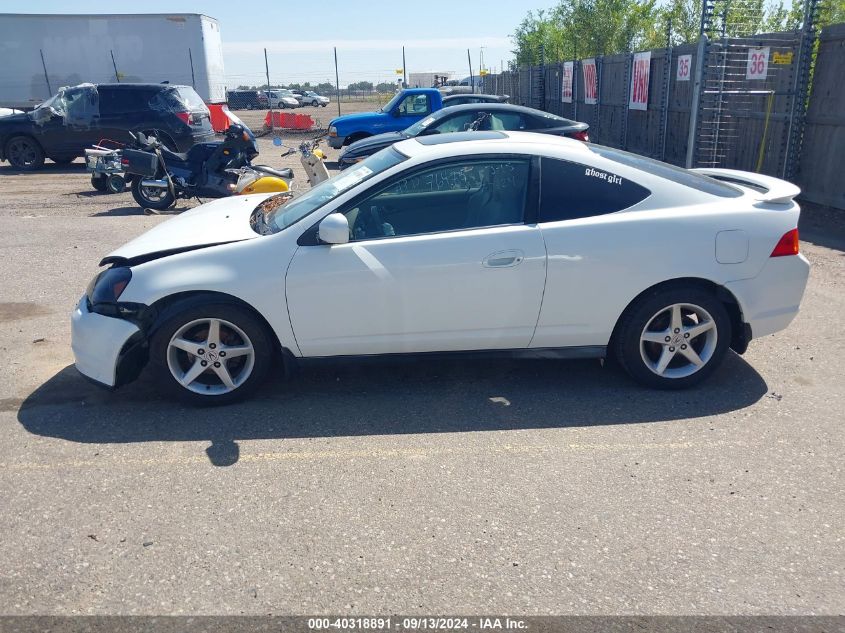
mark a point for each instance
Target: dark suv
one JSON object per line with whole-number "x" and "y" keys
{"x": 246, "y": 100}
{"x": 79, "y": 117}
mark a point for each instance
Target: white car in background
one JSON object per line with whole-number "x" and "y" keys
{"x": 514, "y": 243}
{"x": 281, "y": 99}
{"x": 8, "y": 111}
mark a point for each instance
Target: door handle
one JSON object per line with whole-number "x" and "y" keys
{"x": 503, "y": 259}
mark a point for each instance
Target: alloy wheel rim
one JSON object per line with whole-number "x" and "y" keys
{"x": 22, "y": 153}
{"x": 678, "y": 340}
{"x": 210, "y": 356}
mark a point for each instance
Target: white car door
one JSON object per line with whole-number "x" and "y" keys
{"x": 438, "y": 260}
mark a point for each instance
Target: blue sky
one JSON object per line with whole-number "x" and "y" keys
{"x": 369, "y": 34}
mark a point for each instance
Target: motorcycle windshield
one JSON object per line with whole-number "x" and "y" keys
{"x": 235, "y": 119}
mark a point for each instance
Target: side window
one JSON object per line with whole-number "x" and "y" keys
{"x": 460, "y": 195}
{"x": 572, "y": 190}
{"x": 456, "y": 123}
{"x": 414, "y": 105}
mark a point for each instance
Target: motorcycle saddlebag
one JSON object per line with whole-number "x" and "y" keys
{"x": 139, "y": 162}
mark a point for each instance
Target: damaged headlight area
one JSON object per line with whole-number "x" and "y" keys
{"x": 104, "y": 292}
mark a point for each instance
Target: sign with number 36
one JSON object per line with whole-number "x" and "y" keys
{"x": 684, "y": 68}
{"x": 758, "y": 63}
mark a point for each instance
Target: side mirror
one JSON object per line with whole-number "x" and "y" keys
{"x": 334, "y": 229}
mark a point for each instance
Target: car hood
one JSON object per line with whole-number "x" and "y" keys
{"x": 15, "y": 118}
{"x": 353, "y": 119}
{"x": 372, "y": 144}
{"x": 218, "y": 222}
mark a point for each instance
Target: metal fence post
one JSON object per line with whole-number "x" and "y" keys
{"x": 801, "y": 89}
{"x": 700, "y": 63}
{"x": 629, "y": 64}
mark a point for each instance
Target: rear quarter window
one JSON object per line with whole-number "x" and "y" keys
{"x": 571, "y": 190}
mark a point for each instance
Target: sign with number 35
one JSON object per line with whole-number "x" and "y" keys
{"x": 758, "y": 63}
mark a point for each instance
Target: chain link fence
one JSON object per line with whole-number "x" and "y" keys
{"x": 732, "y": 100}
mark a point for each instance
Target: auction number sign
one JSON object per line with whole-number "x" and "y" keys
{"x": 588, "y": 68}
{"x": 758, "y": 63}
{"x": 566, "y": 83}
{"x": 684, "y": 68}
{"x": 639, "y": 81}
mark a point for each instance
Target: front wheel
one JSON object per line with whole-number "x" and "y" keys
{"x": 211, "y": 353}
{"x": 157, "y": 198}
{"x": 315, "y": 103}
{"x": 24, "y": 152}
{"x": 673, "y": 338}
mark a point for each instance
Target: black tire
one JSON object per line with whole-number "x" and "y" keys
{"x": 100, "y": 183}
{"x": 24, "y": 153}
{"x": 315, "y": 103}
{"x": 141, "y": 196}
{"x": 115, "y": 183}
{"x": 249, "y": 106}
{"x": 653, "y": 311}
{"x": 190, "y": 314}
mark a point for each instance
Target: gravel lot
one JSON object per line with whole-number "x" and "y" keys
{"x": 429, "y": 487}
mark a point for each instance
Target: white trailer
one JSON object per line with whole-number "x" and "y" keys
{"x": 42, "y": 53}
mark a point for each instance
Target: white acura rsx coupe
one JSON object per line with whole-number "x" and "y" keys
{"x": 491, "y": 242}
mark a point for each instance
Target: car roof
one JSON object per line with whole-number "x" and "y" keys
{"x": 462, "y": 143}
{"x": 503, "y": 107}
{"x": 130, "y": 86}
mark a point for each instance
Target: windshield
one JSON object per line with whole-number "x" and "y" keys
{"x": 418, "y": 127}
{"x": 677, "y": 175}
{"x": 278, "y": 217}
{"x": 56, "y": 102}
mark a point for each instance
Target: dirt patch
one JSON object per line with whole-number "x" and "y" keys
{"x": 13, "y": 311}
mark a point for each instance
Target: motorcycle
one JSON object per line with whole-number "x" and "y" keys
{"x": 208, "y": 170}
{"x": 312, "y": 159}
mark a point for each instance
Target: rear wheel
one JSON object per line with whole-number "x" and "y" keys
{"x": 315, "y": 103}
{"x": 99, "y": 182}
{"x": 212, "y": 353}
{"x": 674, "y": 337}
{"x": 115, "y": 183}
{"x": 158, "y": 198}
{"x": 24, "y": 152}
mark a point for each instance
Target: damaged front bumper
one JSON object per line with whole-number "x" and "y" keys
{"x": 107, "y": 350}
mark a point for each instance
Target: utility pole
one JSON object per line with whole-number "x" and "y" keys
{"x": 471, "y": 80}
{"x": 190, "y": 58}
{"x": 117, "y": 75}
{"x": 46, "y": 76}
{"x": 269, "y": 98}
{"x": 337, "y": 80}
{"x": 404, "y": 70}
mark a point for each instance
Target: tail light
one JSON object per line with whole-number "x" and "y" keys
{"x": 787, "y": 245}
{"x": 583, "y": 135}
{"x": 186, "y": 117}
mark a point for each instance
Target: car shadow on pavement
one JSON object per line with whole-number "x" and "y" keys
{"x": 344, "y": 399}
{"x": 118, "y": 211}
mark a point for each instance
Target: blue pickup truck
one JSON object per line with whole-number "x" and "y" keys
{"x": 404, "y": 109}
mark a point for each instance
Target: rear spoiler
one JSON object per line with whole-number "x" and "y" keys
{"x": 767, "y": 188}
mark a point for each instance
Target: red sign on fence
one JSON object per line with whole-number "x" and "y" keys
{"x": 684, "y": 68}
{"x": 639, "y": 81}
{"x": 588, "y": 66}
{"x": 566, "y": 83}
